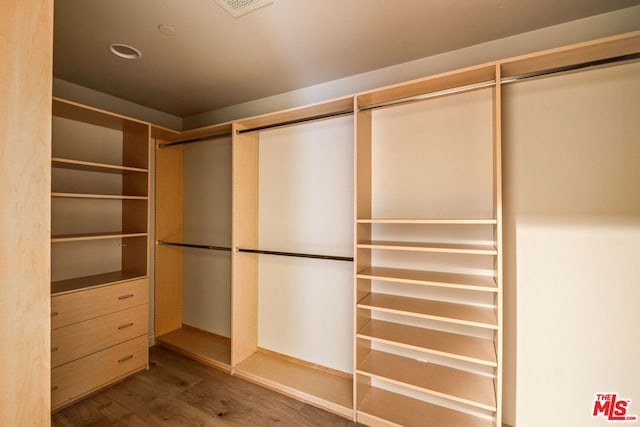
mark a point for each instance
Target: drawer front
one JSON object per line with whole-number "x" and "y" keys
{"x": 75, "y": 379}
{"x": 80, "y": 339}
{"x": 82, "y": 305}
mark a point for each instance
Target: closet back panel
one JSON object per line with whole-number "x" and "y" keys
{"x": 306, "y": 205}
{"x": 434, "y": 158}
{"x": 572, "y": 227}
{"x": 206, "y": 275}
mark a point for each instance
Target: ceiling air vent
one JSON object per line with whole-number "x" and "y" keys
{"x": 237, "y": 8}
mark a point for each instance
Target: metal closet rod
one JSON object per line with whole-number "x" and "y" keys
{"x": 296, "y": 254}
{"x": 296, "y": 121}
{"x": 191, "y": 245}
{"x": 572, "y": 67}
{"x": 189, "y": 141}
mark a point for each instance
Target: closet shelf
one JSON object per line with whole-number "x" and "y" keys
{"x": 450, "y": 248}
{"x": 430, "y": 278}
{"x": 94, "y": 236}
{"x": 99, "y": 196}
{"x": 59, "y": 162}
{"x": 315, "y": 386}
{"x": 378, "y": 405}
{"x": 464, "y": 314}
{"x": 210, "y": 349}
{"x": 456, "y": 346}
{"x": 69, "y": 285}
{"x": 435, "y": 221}
{"x": 454, "y": 384}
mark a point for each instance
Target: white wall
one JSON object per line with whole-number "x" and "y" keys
{"x": 306, "y": 205}
{"x": 206, "y": 274}
{"x": 572, "y": 194}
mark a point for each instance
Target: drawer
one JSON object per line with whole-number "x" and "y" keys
{"x": 80, "y": 377}
{"x": 80, "y": 339}
{"x": 82, "y": 305}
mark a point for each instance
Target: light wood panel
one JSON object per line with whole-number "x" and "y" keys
{"x": 73, "y": 380}
{"x": 169, "y": 220}
{"x": 454, "y": 384}
{"x": 593, "y": 50}
{"x": 99, "y": 196}
{"x": 449, "y": 248}
{"x": 93, "y": 236}
{"x": 26, "y": 33}
{"x": 210, "y": 349}
{"x": 73, "y": 307}
{"x": 59, "y": 162}
{"x": 80, "y": 339}
{"x": 431, "y": 278}
{"x": 344, "y": 104}
{"x": 461, "y": 347}
{"x": 441, "y": 221}
{"x": 244, "y": 266}
{"x": 61, "y": 287}
{"x": 314, "y": 386}
{"x": 439, "y": 82}
{"x": 464, "y": 314}
{"x": 384, "y": 408}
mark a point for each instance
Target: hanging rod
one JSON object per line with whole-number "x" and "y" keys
{"x": 189, "y": 141}
{"x": 540, "y": 73}
{"x": 296, "y": 254}
{"x": 191, "y": 245}
{"x": 435, "y": 94}
{"x": 297, "y": 121}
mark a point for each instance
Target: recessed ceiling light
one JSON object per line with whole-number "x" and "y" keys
{"x": 167, "y": 30}
{"x": 124, "y": 51}
{"x": 237, "y": 8}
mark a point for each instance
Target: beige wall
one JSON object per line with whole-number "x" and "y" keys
{"x": 572, "y": 230}
{"x": 26, "y": 32}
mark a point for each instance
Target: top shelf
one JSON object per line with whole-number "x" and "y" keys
{"x": 436, "y": 221}
{"x": 59, "y": 162}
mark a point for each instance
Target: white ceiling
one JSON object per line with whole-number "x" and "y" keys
{"x": 215, "y": 60}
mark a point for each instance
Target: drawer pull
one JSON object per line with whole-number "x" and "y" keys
{"x": 124, "y": 359}
{"x": 54, "y": 349}
{"x": 127, "y": 296}
{"x": 125, "y": 326}
{"x": 54, "y": 313}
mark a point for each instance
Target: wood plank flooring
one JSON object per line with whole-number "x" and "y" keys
{"x": 177, "y": 391}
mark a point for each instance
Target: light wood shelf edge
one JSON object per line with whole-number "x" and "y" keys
{"x": 427, "y": 278}
{"x": 199, "y": 345}
{"x": 462, "y": 314}
{"x": 435, "y": 221}
{"x": 94, "y": 236}
{"x": 451, "y": 248}
{"x": 387, "y": 408}
{"x": 93, "y": 166}
{"x": 286, "y": 377}
{"x": 449, "y": 383}
{"x": 98, "y": 196}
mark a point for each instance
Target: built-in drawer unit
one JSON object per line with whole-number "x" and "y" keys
{"x": 88, "y": 374}
{"x": 80, "y": 339}
{"x": 87, "y": 304}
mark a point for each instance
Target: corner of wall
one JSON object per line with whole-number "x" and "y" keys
{"x": 593, "y": 27}
{"x": 84, "y": 95}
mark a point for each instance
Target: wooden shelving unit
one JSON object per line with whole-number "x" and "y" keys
{"x": 401, "y": 219}
{"x": 100, "y": 217}
{"x": 317, "y": 385}
{"x": 171, "y": 331}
